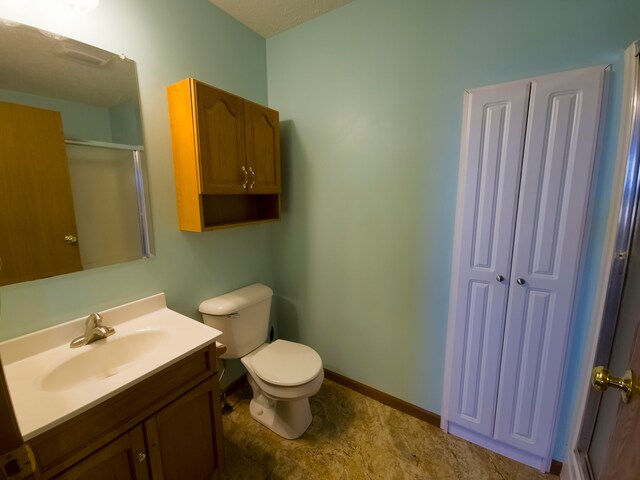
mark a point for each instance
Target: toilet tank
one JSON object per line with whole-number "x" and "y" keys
{"x": 242, "y": 316}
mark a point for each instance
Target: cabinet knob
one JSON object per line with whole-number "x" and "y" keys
{"x": 521, "y": 281}
{"x": 500, "y": 278}
{"x": 141, "y": 457}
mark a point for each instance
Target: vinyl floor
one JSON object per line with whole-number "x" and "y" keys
{"x": 355, "y": 437}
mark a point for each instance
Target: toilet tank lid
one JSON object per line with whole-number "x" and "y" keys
{"x": 237, "y": 300}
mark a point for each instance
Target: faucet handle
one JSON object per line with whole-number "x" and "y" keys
{"x": 94, "y": 320}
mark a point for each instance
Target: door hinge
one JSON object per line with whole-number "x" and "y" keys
{"x": 18, "y": 464}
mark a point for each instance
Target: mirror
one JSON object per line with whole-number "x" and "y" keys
{"x": 72, "y": 179}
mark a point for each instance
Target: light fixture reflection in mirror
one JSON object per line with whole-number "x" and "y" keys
{"x": 82, "y": 5}
{"x": 93, "y": 94}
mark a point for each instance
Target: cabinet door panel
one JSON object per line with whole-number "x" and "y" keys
{"x": 493, "y": 135}
{"x": 35, "y": 193}
{"x": 122, "y": 459}
{"x": 220, "y": 117}
{"x": 181, "y": 436}
{"x": 262, "y": 132}
{"x": 562, "y": 131}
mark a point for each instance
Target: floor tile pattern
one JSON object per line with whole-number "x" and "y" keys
{"x": 353, "y": 437}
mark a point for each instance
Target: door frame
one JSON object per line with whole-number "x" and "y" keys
{"x": 613, "y": 267}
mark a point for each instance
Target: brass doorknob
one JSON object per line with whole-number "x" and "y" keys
{"x": 72, "y": 239}
{"x": 601, "y": 380}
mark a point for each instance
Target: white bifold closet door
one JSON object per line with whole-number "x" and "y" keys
{"x": 488, "y": 188}
{"x": 527, "y": 159}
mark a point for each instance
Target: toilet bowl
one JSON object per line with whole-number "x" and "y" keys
{"x": 282, "y": 375}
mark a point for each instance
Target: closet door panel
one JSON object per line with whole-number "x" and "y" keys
{"x": 560, "y": 150}
{"x": 493, "y": 135}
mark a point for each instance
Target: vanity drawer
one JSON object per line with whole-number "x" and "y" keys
{"x": 75, "y": 439}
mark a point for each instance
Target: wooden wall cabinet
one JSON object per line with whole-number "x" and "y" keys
{"x": 166, "y": 427}
{"x": 226, "y": 157}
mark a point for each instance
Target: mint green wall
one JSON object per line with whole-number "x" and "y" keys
{"x": 80, "y": 121}
{"x": 169, "y": 40}
{"x": 125, "y": 123}
{"x": 119, "y": 124}
{"x": 370, "y": 98}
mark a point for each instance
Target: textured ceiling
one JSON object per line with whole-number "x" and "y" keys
{"x": 270, "y": 17}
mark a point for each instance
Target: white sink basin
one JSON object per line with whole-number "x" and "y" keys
{"x": 103, "y": 359}
{"x": 50, "y": 382}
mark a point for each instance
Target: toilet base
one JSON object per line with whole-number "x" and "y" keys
{"x": 288, "y": 418}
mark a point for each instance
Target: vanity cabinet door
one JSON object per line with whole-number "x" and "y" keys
{"x": 185, "y": 438}
{"x": 262, "y": 133}
{"x": 34, "y": 184}
{"x": 124, "y": 458}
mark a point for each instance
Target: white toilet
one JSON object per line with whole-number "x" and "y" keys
{"x": 283, "y": 375}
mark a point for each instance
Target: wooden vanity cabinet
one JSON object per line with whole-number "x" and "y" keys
{"x": 226, "y": 156}
{"x": 119, "y": 459}
{"x": 166, "y": 427}
{"x": 190, "y": 417}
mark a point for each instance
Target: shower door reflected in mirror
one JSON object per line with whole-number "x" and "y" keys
{"x": 104, "y": 182}
{"x": 95, "y": 95}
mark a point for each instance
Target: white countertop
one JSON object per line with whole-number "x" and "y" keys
{"x": 49, "y": 382}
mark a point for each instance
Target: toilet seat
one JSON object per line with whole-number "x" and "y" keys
{"x": 286, "y": 364}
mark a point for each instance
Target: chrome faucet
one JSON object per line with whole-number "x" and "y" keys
{"x": 93, "y": 330}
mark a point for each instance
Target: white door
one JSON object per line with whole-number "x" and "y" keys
{"x": 562, "y": 133}
{"x": 522, "y": 206}
{"x": 615, "y": 327}
{"x": 619, "y": 443}
{"x": 494, "y": 124}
